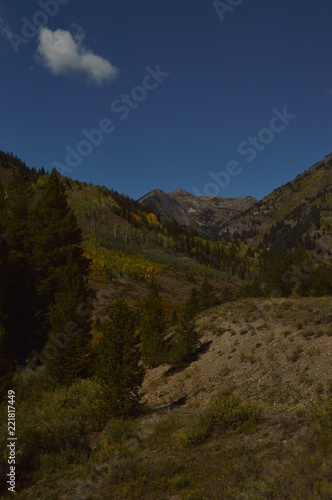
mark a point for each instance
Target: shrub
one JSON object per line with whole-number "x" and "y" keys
{"x": 308, "y": 333}
{"x": 118, "y": 429}
{"x": 321, "y": 425}
{"x": 319, "y": 389}
{"x": 116, "y": 433}
{"x": 58, "y": 421}
{"x": 295, "y": 354}
{"x": 226, "y": 413}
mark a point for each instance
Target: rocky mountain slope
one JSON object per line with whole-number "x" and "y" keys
{"x": 299, "y": 211}
{"x": 167, "y": 206}
{"x": 206, "y": 215}
{"x": 307, "y": 198}
{"x": 275, "y": 351}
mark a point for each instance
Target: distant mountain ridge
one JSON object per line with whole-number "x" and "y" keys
{"x": 299, "y": 211}
{"x": 206, "y": 215}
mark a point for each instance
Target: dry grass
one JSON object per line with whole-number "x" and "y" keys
{"x": 264, "y": 350}
{"x": 286, "y": 453}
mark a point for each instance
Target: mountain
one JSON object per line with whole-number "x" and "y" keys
{"x": 233, "y": 241}
{"x": 167, "y": 206}
{"x": 206, "y": 215}
{"x": 299, "y": 211}
{"x": 255, "y": 397}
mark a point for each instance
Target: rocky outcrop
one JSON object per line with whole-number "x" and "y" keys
{"x": 206, "y": 215}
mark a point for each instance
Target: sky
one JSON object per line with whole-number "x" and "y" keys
{"x": 219, "y": 98}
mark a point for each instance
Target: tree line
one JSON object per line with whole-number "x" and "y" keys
{"x": 44, "y": 278}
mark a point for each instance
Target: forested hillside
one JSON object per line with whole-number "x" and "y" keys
{"x": 292, "y": 228}
{"x": 99, "y": 296}
{"x": 299, "y": 211}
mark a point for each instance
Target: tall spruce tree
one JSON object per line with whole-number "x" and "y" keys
{"x": 194, "y": 299}
{"x": 207, "y": 296}
{"x": 186, "y": 337}
{"x": 55, "y": 237}
{"x": 7, "y": 358}
{"x": 153, "y": 328}
{"x": 3, "y": 256}
{"x": 20, "y": 298}
{"x": 70, "y": 326}
{"x": 118, "y": 363}
{"x": 61, "y": 276}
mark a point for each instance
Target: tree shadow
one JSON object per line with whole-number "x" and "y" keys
{"x": 203, "y": 348}
{"x": 178, "y": 368}
{"x": 173, "y": 406}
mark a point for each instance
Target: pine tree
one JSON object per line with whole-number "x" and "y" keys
{"x": 253, "y": 288}
{"x": 186, "y": 337}
{"x": 226, "y": 295}
{"x": 194, "y": 299}
{"x": 7, "y": 358}
{"x": 207, "y": 296}
{"x": 55, "y": 237}
{"x": 2, "y": 202}
{"x": 70, "y": 326}
{"x": 20, "y": 299}
{"x": 118, "y": 361}
{"x": 278, "y": 279}
{"x": 322, "y": 280}
{"x": 3, "y": 256}
{"x": 153, "y": 328}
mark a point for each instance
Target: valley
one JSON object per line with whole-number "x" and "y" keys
{"x": 246, "y": 414}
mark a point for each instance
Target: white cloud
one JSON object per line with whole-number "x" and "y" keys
{"x": 65, "y": 54}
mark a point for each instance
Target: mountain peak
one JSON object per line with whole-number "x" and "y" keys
{"x": 180, "y": 192}
{"x": 204, "y": 214}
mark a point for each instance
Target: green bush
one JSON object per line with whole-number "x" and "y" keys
{"x": 226, "y": 413}
{"x": 322, "y": 422}
{"x": 118, "y": 429}
{"x": 58, "y": 421}
{"x": 295, "y": 354}
{"x": 309, "y": 332}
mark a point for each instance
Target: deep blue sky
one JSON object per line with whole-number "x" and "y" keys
{"x": 225, "y": 78}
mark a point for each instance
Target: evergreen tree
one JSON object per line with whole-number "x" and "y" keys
{"x": 118, "y": 361}
{"x": 70, "y": 326}
{"x": 226, "y": 295}
{"x": 2, "y": 202}
{"x": 3, "y": 256}
{"x": 55, "y": 237}
{"x": 207, "y": 296}
{"x": 7, "y": 358}
{"x": 18, "y": 294}
{"x": 186, "y": 337}
{"x": 253, "y": 288}
{"x": 194, "y": 299}
{"x": 153, "y": 328}
{"x": 322, "y": 280}
{"x": 278, "y": 280}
